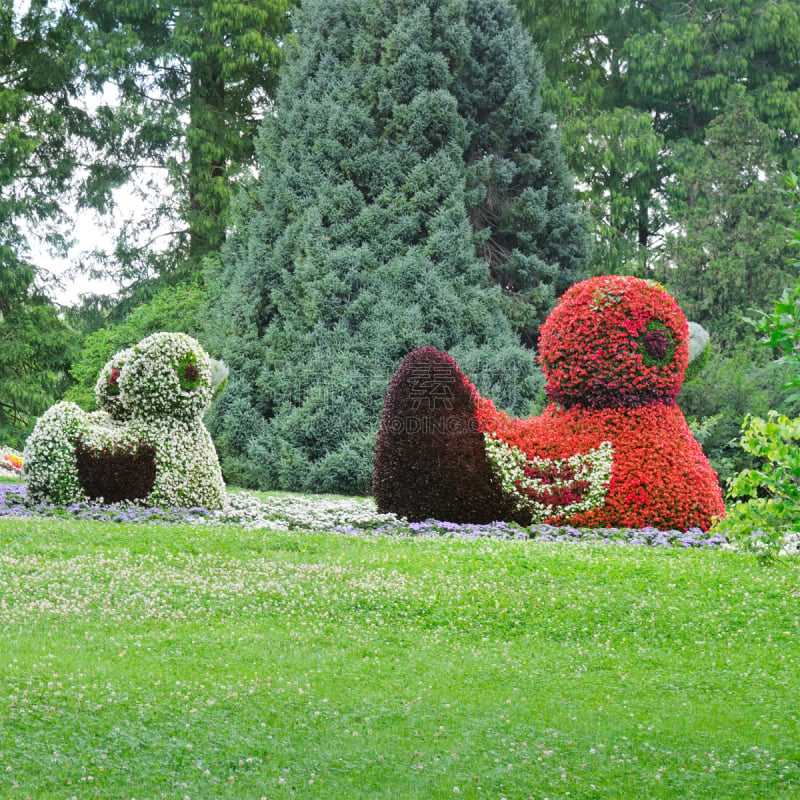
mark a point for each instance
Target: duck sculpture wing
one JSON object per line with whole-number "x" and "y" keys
{"x": 550, "y": 488}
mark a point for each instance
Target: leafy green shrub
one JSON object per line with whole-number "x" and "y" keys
{"x": 773, "y": 488}
{"x": 780, "y": 330}
{"x": 175, "y": 308}
{"x": 36, "y": 347}
{"x": 716, "y": 401}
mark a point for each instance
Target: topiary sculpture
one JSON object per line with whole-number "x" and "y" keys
{"x": 611, "y": 449}
{"x": 430, "y": 459}
{"x": 148, "y": 442}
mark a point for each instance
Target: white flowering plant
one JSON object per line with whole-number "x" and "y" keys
{"x": 154, "y": 396}
{"x": 548, "y": 488}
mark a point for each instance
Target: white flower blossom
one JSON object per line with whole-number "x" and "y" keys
{"x": 520, "y": 477}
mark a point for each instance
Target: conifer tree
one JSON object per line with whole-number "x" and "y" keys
{"x": 411, "y": 189}
{"x": 193, "y": 78}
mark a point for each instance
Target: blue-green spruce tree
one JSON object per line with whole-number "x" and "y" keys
{"x": 411, "y": 192}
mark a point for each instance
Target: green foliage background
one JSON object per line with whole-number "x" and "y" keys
{"x": 392, "y": 155}
{"x": 679, "y": 122}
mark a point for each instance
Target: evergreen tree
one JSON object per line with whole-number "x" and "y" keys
{"x": 193, "y": 78}
{"x": 42, "y": 130}
{"x": 519, "y": 195}
{"x": 355, "y": 245}
{"x": 35, "y": 351}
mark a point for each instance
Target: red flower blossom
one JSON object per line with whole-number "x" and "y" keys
{"x": 614, "y": 341}
{"x": 660, "y": 475}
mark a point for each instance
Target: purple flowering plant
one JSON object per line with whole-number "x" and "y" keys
{"x": 343, "y": 516}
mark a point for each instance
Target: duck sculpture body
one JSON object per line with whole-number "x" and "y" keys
{"x": 612, "y": 448}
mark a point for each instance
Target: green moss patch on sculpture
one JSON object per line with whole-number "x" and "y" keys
{"x": 147, "y": 444}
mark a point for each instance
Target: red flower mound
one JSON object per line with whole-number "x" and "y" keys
{"x": 614, "y": 341}
{"x": 660, "y": 476}
{"x": 614, "y": 352}
{"x": 430, "y": 460}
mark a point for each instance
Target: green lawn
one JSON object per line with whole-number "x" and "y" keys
{"x": 169, "y": 662}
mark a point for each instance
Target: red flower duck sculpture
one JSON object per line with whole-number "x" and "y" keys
{"x": 611, "y": 450}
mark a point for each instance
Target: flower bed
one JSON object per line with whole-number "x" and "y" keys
{"x": 344, "y": 516}
{"x": 10, "y": 462}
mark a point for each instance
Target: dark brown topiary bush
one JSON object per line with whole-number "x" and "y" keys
{"x": 115, "y": 475}
{"x": 430, "y": 460}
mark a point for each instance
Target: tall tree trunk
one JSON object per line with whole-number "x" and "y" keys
{"x": 208, "y": 198}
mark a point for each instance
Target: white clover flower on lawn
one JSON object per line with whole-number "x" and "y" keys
{"x": 551, "y": 487}
{"x": 153, "y": 396}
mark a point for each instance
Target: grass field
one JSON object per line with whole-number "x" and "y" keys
{"x": 142, "y": 661}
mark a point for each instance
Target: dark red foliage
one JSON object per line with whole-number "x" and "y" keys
{"x": 115, "y": 475}
{"x": 559, "y": 496}
{"x": 191, "y": 373}
{"x": 549, "y": 473}
{"x": 553, "y": 495}
{"x": 430, "y": 460}
{"x": 656, "y": 344}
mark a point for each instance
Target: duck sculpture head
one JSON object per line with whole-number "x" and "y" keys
{"x": 614, "y": 341}
{"x": 166, "y": 375}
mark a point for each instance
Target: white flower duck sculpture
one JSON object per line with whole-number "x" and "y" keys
{"x": 147, "y": 443}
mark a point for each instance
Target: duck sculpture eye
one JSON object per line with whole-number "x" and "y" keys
{"x": 113, "y": 378}
{"x": 188, "y": 372}
{"x": 656, "y": 344}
